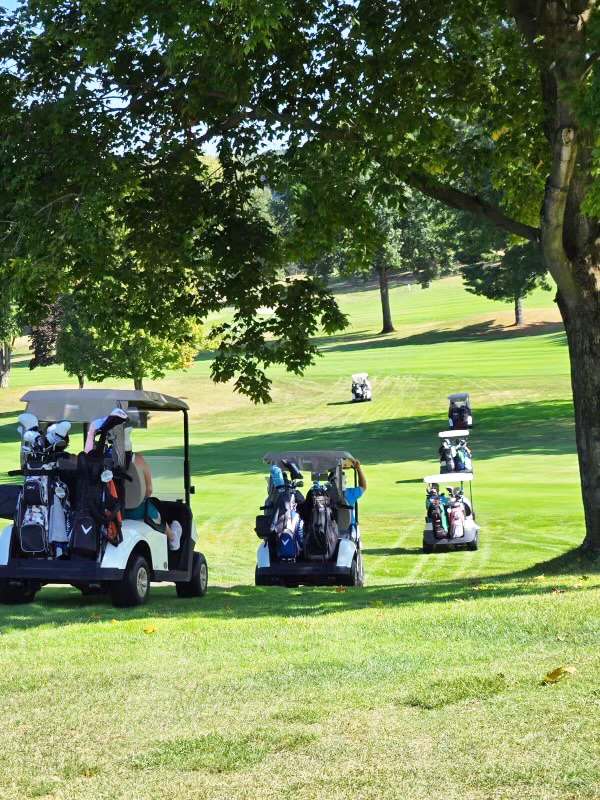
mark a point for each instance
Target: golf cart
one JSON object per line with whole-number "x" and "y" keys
{"x": 459, "y": 411}
{"x": 68, "y": 527}
{"x": 361, "y": 387}
{"x": 454, "y": 452}
{"x": 450, "y": 519}
{"x": 311, "y": 540}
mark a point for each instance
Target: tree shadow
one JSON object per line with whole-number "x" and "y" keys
{"x": 480, "y": 331}
{"x": 59, "y": 607}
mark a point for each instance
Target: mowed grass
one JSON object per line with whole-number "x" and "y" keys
{"x": 425, "y": 684}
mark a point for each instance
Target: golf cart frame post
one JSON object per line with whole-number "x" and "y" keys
{"x": 143, "y": 537}
{"x": 345, "y": 567}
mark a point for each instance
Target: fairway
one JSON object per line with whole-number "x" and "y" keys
{"x": 425, "y": 684}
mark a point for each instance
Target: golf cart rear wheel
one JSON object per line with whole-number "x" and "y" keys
{"x": 260, "y": 580}
{"x": 197, "y": 584}
{"x": 427, "y": 548}
{"x": 134, "y": 588}
{"x": 354, "y": 579}
{"x": 474, "y": 544}
{"x": 13, "y": 593}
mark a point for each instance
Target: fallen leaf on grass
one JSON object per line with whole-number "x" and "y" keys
{"x": 539, "y": 578}
{"x": 578, "y": 586}
{"x": 114, "y": 621}
{"x": 458, "y": 600}
{"x": 560, "y": 638}
{"x": 150, "y": 629}
{"x": 558, "y": 674}
{"x": 557, "y": 591}
{"x": 340, "y": 589}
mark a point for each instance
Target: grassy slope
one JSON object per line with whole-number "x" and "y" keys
{"x": 424, "y": 685}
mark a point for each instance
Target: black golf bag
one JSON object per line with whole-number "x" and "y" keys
{"x": 97, "y": 518}
{"x": 447, "y": 456}
{"x": 436, "y": 513}
{"x": 320, "y": 528}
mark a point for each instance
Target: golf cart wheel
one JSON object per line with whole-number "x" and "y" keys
{"x": 12, "y": 593}
{"x": 474, "y": 545}
{"x": 197, "y": 584}
{"x": 260, "y": 580}
{"x": 427, "y": 548}
{"x": 134, "y": 588}
{"x": 355, "y": 577}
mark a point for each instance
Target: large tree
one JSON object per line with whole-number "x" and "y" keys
{"x": 386, "y": 87}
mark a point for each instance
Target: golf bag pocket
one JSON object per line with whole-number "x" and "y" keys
{"x": 33, "y": 530}
{"x": 286, "y": 546}
{"x": 35, "y": 491}
{"x": 263, "y": 526}
{"x": 84, "y": 535}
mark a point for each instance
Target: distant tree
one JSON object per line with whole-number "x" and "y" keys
{"x": 90, "y": 346}
{"x": 43, "y": 337}
{"x": 518, "y": 272}
{"x": 9, "y": 330}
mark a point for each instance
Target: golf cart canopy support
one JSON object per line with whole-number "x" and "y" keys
{"x": 312, "y": 460}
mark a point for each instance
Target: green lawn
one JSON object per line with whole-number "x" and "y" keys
{"x": 425, "y": 684}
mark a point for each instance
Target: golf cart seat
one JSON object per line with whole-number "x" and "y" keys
{"x": 343, "y": 514}
{"x": 135, "y": 489}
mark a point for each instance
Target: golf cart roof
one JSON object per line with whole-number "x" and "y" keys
{"x": 449, "y": 476}
{"x": 458, "y": 397}
{"x": 452, "y": 434}
{"x": 311, "y": 460}
{"x": 360, "y": 376}
{"x": 84, "y": 405}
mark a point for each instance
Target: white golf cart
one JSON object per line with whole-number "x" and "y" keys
{"x": 361, "y": 387}
{"x": 459, "y": 411}
{"x": 342, "y": 563}
{"x": 124, "y": 570}
{"x": 454, "y": 451}
{"x": 449, "y": 519}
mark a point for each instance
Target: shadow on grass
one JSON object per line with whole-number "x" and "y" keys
{"x": 60, "y": 607}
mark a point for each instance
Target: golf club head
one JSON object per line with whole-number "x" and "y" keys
{"x": 57, "y": 434}
{"x": 33, "y": 439}
{"x": 28, "y": 422}
{"x": 116, "y": 417}
{"x": 295, "y": 473}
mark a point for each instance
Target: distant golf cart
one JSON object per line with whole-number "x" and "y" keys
{"x": 312, "y": 540}
{"x": 97, "y": 550}
{"x": 459, "y": 411}
{"x": 449, "y": 519}
{"x": 455, "y": 454}
{"x": 361, "y": 387}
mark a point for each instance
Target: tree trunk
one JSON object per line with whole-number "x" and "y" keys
{"x": 138, "y": 384}
{"x": 582, "y": 326}
{"x": 80, "y": 381}
{"x": 519, "y": 311}
{"x": 385, "y": 300}
{"x": 5, "y": 353}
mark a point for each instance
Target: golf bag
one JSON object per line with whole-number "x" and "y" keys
{"x": 286, "y": 526}
{"x": 321, "y": 530}
{"x": 42, "y": 514}
{"x": 437, "y": 514}
{"x": 447, "y": 453}
{"x": 462, "y": 458}
{"x": 456, "y": 520}
{"x": 97, "y": 517}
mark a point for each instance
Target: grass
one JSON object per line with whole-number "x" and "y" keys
{"x": 425, "y": 684}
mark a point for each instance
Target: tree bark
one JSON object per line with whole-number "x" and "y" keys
{"x": 138, "y": 384}
{"x": 80, "y": 381}
{"x": 519, "y": 320}
{"x": 5, "y": 354}
{"x": 384, "y": 292}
